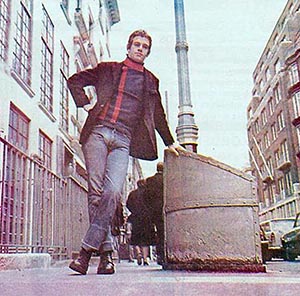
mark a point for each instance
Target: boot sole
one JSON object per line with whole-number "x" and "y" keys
{"x": 105, "y": 271}
{"x": 77, "y": 269}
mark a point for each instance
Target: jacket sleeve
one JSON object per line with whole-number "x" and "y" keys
{"x": 78, "y": 81}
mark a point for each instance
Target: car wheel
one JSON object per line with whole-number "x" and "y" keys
{"x": 289, "y": 256}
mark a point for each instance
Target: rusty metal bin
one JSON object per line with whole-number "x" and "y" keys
{"x": 211, "y": 216}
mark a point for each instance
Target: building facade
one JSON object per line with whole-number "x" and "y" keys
{"x": 272, "y": 138}
{"x": 42, "y": 173}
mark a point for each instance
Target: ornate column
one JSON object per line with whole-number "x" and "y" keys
{"x": 187, "y": 130}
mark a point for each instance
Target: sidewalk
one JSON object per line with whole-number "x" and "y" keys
{"x": 131, "y": 279}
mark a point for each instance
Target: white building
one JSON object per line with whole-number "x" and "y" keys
{"x": 42, "y": 172}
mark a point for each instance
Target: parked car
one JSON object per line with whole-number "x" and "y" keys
{"x": 266, "y": 254}
{"x": 291, "y": 241}
{"x": 273, "y": 230}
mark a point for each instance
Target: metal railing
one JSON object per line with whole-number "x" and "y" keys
{"x": 40, "y": 212}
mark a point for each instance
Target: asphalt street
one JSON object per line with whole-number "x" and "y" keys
{"x": 281, "y": 278}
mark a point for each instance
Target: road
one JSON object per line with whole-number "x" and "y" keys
{"x": 282, "y": 278}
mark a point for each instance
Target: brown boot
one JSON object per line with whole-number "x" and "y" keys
{"x": 106, "y": 265}
{"x": 81, "y": 264}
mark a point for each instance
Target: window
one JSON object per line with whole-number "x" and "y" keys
{"x": 296, "y": 104}
{"x": 277, "y": 66}
{"x": 288, "y": 182}
{"x": 281, "y": 187}
{"x": 267, "y": 140}
{"x": 263, "y": 117}
{"x": 271, "y": 106}
{"x": 280, "y": 121}
{"x": 16, "y": 180}
{"x": 284, "y": 151}
{"x": 277, "y": 158}
{"x": 270, "y": 165}
{"x": 250, "y": 113}
{"x": 47, "y": 63}
{"x": 268, "y": 74}
{"x": 22, "y": 52}
{"x": 4, "y": 27}
{"x": 45, "y": 149}
{"x": 256, "y": 126}
{"x": 18, "y": 129}
{"x": 64, "y": 93}
{"x": 275, "y": 39}
{"x": 273, "y": 132}
{"x": 277, "y": 94}
{"x": 294, "y": 74}
{"x": 268, "y": 53}
{"x": 261, "y": 85}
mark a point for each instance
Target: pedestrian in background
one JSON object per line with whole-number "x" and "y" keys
{"x": 154, "y": 200}
{"x": 143, "y": 233}
{"x": 121, "y": 123}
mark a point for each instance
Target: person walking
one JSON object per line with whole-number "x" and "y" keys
{"x": 143, "y": 233}
{"x": 123, "y": 121}
{"x": 154, "y": 200}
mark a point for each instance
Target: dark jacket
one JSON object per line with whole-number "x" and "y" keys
{"x": 105, "y": 78}
{"x": 143, "y": 231}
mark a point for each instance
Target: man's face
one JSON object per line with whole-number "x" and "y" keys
{"x": 139, "y": 49}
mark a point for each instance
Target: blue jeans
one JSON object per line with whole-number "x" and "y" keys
{"x": 106, "y": 154}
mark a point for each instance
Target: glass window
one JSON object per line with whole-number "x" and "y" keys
{"x": 267, "y": 140}
{"x": 47, "y": 63}
{"x": 280, "y": 121}
{"x": 64, "y": 93}
{"x": 296, "y": 104}
{"x": 23, "y": 43}
{"x": 294, "y": 74}
{"x": 268, "y": 74}
{"x": 263, "y": 117}
{"x": 288, "y": 182}
{"x": 4, "y": 27}
{"x": 274, "y": 132}
{"x": 284, "y": 150}
{"x": 277, "y": 66}
{"x": 271, "y": 106}
{"x": 45, "y": 149}
{"x": 18, "y": 129}
{"x": 277, "y": 94}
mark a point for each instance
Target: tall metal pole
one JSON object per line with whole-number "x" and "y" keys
{"x": 187, "y": 130}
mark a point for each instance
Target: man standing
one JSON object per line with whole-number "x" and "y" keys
{"x": 122, "y": 123}
{"x": 154, "y": 199}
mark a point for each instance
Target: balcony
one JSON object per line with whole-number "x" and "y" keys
{"x": 113, "y": 11}
{"x": 283, "y": 163}
{"x": 266, "y": 177}
{"x": 296, "y": 122}
{"x": 81, "y": 52}
{"x": 81, "y": 26}
{"x": 92, "y": 55}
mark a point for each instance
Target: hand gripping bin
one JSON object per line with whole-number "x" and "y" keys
{"x": 210, "y": 216}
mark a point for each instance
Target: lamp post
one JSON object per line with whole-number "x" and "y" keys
{"x": 187, "y": 130}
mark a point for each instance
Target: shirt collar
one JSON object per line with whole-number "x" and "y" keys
{"x": 133, "y": 65}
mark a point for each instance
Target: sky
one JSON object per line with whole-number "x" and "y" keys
{"x": 225, "y": 41}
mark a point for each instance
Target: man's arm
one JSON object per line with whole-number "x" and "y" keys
{"x": 78, "y": 81}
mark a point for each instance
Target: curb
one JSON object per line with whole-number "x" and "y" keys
{"x": 24, "y": 261}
